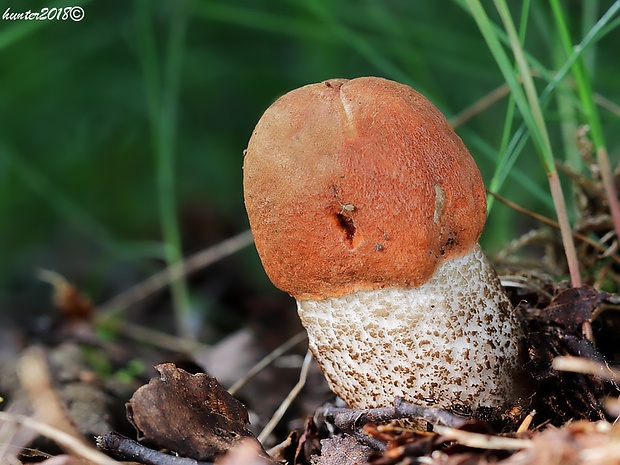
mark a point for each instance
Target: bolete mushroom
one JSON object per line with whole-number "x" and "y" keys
{"x": 367, "y": 208}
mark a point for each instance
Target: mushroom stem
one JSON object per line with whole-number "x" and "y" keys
{"x": 452, "y": 342}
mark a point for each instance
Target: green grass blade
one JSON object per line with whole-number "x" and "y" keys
{"x": 504, "y": 161}
{"x": 595, "y": 34}
{"x": 591, "y": 115}
{"x": 162, "y": 97}
{"x": 531, "y": 111}
{"x": 533, "y": 118}
{"x": 582, "y": 78}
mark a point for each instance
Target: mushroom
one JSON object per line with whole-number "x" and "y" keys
{"x": 366, "y": 207}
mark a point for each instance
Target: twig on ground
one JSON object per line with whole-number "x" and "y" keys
{"x": 279, "y": 413}
{"x": 552, "y": 223}
{"x": 268, "y": 359}
{"x": 523, "y": 283}
{"x": 127, "y": 449}
{"x": 351, "y": 419}
{"x": 65, "y": 440}
{"x": 527, "y": 422}
{"x": 163, "y": 278}
{"x": 483, "y": 441}
{"x": 152, "y": 337}
{"x": 35, "y": 378}
{"x": 586, "y": 367}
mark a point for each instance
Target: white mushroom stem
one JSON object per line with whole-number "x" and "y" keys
{"x": 451, "y": 343}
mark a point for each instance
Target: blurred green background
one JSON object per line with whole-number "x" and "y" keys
{"x": 95, "y": 113}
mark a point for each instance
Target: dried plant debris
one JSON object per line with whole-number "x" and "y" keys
{"x": 571, "y": 308}
{"x": 579, "y": 443}
{"x": 412, "y": 447}
{"x": 342, "y": 450}
{"x": 559, "y": 329}
{"x": 245, "y": 453}
{"x": 123, "y": 448}
{"x": 68, "y": 300}
{"x": 300, "y": 446}
{"x": 191, "y": 415}
{"x": 401, "y": 444}
{"x": 54, "y": 386}
{"x": 75, "y": 312}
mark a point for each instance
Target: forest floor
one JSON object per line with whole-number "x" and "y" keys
{"x": 93, "y": 386}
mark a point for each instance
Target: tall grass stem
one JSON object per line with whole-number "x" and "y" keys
{"x": 162, "y": 88}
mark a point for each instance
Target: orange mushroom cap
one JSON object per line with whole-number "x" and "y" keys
{"x": 358, "y": 184}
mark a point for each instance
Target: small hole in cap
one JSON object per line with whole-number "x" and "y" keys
{"x": 347, "y": 227}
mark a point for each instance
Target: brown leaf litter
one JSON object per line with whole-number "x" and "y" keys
{"x": 192, "y": 415}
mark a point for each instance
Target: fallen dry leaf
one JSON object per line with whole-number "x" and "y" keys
{"x": 573, "y": 307}
{"x": 192, "y": 415}
{"x": 342, "y": 450}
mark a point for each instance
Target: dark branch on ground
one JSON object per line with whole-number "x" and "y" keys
{"x": 352, "y": 420}
{"x": 123, "y": 448}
